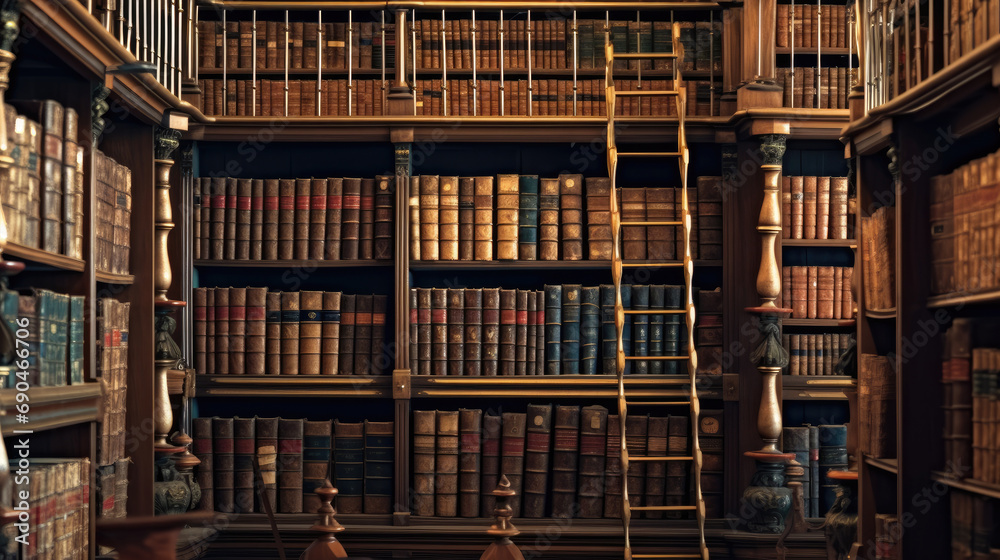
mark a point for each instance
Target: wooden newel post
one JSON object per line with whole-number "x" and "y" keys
{"x": 503, "y": 529}
{"x": 326, "y": 546}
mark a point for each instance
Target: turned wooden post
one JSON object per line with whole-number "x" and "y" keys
{"x": 326, "y": 546}
{"x": 502, "y": 529}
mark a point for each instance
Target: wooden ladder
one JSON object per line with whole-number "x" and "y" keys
{"x": 679, "y": 93}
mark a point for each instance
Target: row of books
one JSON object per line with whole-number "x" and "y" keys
{"x": 819, "y": 449}
{"x": 816, "y": 88}
{"x": 878, "y": 254}
{"x": 277, "y": 45}
{"x": 113, "y": 218}
{"x": 57, "y": 494}
{"x": 877, "y": 405}
{"x": 282, "y": 219}
{"x": 43, "y": 205}
{"x": 972, "y": 526}
{"x": 963, "y": 204}
{"x": 528, "y": 218}
{"x": 112, "y": 368}
{"x": 255, "y": 332}
{"x": 494, "y": 331}
{"x": 967, "y": 27}
{"x": 812, "y": 25}
{"x": 814, "y": 354}
{"x": 55, "y": 336}
{"x": 888, "y": 531}
{"x": 815, "y": 208}
{"x": 817, "y": 292}
{"x": 296, "y": 456}
{"x": 563, "y": 461}
{"x": 292, "y": 97}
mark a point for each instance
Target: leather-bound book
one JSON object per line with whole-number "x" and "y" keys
{"x": 223, "y": 464}
{"x": 446, "y": 465}
{"x": 657, "y": 300}
{"x": 429, "y": 217}
{"x": 290, "y": 432}
{"x": 290, "y": 314}
{"x": 958, "y": 395}
{"x": 366, "y": 229}
{"x": 364, "y": 308}
{"x": 349, "y": 465}
{"x": 824, "y": 292}
{"x": 295, "y": 44}
{"x": 379, "y": 361}
{"x": 528, "y": 218}
{"x": 508, "y": 331}
{"x": 673, "y": 329}
{"x": 414, "y": 209}
{"x": 796, "y": 188}
{"x": 877, "y": 399}
{"x": 439, "y": 332}
{"x": 531, "y": 350}
{"x": 548, "y": 220}
{"x": 565, "y": 456}
{"x": 271, "y": 219}
{"x": 310, "y": 331}
{"x": 660, "y": 240}
{"x": 491, "y": 443}
{"x": 786, "y": 197}
{"x": 491, "y": 331}
{"x": 786, "y": 287}
{"x": 636, "y": 430}
{"x": 521, "y": 332}
{"x": 203, "y": 208}
{"x": 384, "y": 195}
{"x": 317, "y": 219}
{"x": 221, "y": 338}
{"x": 838, "y": 292}
{"x": 598, "y": 218}
{"x": 286, "y": 219}
{"x": 484, "y": 218}
{"x": 832, "y": 456}
{"x": 512, "y": 457}
{"x": 423, "y": 338}
{"x": 812, "y": 291}
{"x": 507, "y": 203}
{"x": 466, "y": 218}
{"x": 201, "y": 429}
{"x": 710, "y": 437}
{"x": 229, "y": 217}
{"x": 570, "y": 330}
{"x": 823, "y": 208}
{"x": 350, "y": 228}
{"x": 609, "y": 334}
{"x": 72, "y": 184}
{"x": 473, "y": 333}
{"x": 613, "y": 469}
{"x": 414, "y": 332}
{"x": 317, "y": 442}
{"x": 633, "y": 209}
{"x": 799, "y": 292}
{"x": 571, "y": 216}
{"x": 810, "y": 186}
{"x": 237, "y": 330}
{"x": 536, "y": 459}
{"x": 838, "y": 207}
{"x": 553, "y": 329}
{"x": 217, "y": 215}
{"x": 470, "y": 425}
{"x": 593, "y": 436}
{"x": 330, "y": 334}
{"x": 448, "y": 218}
{"x": 272, "y": 346}
{"x": 200, "y": 300}
{"x": 424, "y": 454}
{"x": 244, "y": 191}
{"x": 455, "y": 316}
{"x": 379, "y": 461}
{"x": 334, "y": 213}
{"x": 656, "y": 471}
{"x": 255, "y": 248}
{"x": 348, "y": 304}
{"x": 640, "y": 328}
{"x": 677, "y": 471}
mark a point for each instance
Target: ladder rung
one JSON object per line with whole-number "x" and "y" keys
{"x": 659, "y": 403}
{"x": 656, "y": 357}
{"x": 662, "y": 508}
{"x": 655, "y": 311}
{"x": 649, "y": 154}
{"x": 644, "y": 93}
{"x": 661, "y": 458}
{"x": 626, "y": 56}
{"x": 653, "y": 263}
{"x": 652, "y": 223}
{"x": 667, "y": 556}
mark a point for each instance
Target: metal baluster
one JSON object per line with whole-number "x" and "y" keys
{"x": 413, "y": 54}
{"x": 475, "y": 64}
{"x": 288, "y": 59}
{"x": 319, "y": 63}
{"x": 500, "y": 61}
{"x": 791, "y": 58}
{"x": 385, "y": 48}
{"x": 530, "y": 66}
{"x": 225, "y": 66}
{"x": 253, "y": 65}
{"x": 576, "y": 62}
{"x": 350, "y": 61}
{"x": 444, "y": 66}
{"x": 819, "y": 52}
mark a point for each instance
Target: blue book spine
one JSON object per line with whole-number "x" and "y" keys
{"x": 640, "y": 328}
{"x": 528, "y": 217}
{"x": 553, "y": 329}
{"x": 10, "y": 316}
{"x": 813, "y": 471}
{"x": 832, "y": 456}
{"x": 609, "y": 339}
{"x": 672, "y": 329}
{"x": 627, "y": 329}
{"x": 76, "y": 340}
{"x": 656, "y": 301}
{"x": 571, "y": 329}
{"x": 590, "y": 327}
{"x": 348, "y": 465}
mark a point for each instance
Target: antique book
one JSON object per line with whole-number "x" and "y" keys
{"x": 571, "y": 216}
{"x": 316, "y": 459}
{"x": 570, "y": 330}
{"x": 429, "y": 217}
{"x": 334, "y": 212}
{"x": 424, "y": 454}
{"x": 508, "y": 332}
{"x": 414, "y": 210}
{"x": 636, "y": 427}
{"x": 613, "y": 469}
{"x": 711, "y": 439}
{"x": 822, "y": 207}
{"x": 221, "y": 326}
{"x": 483, "y": 218}
{"x": 507, "y": 208}
{"x": 490, "y": 462}
{"x": 364, "y": 306}
{"x": 640, "y": 328}
{"x": 290, "y": 317}
{"x": 660, "y": 206}
{"x": 521, "y": 332}
{"x": 448, "y": 219}
{"x": 633, "y": 209}
{"x": 877, "y": 399}
{"x": 379, "y": 461}
{"x": 384, "y": 195}
{"x": 446, "y": 464}
{"x": 310, "y": 332}
{"x": 379, "y": 361}
{"x": 593, "y": 434}
{"x": 348, "y": 465}
{"x": 466, "y": 218}
{"x": 455, "y": 316}
{"x": 656, "y": 471}
{"x": 202, "y": 447}
{"x": 824, "y": 292}
{"x": 609, "y": 335}
{"x": 350, "y": 227}
{"x": 286, "y": 219}
{"x": 256, "y": 220}
{"x": 366, "y": 228}
{"x": 512, "y": 458}
{"x": 536, "y": 459}
{"x": 598, "y": 191}
{"x": 439, "y": 332}
{"x": 678, "y": 429}
{"x": 330, "y": 334}
{"x": 548, "y": 220}
{"x": 272, "y": 333}
{"x": 528, "y": 217}
{"x": 472, "y": 324}
{"x": 799, "y": 299}
{"x": 237, "y": 330}
{"x": 565, "y": 457}
{"x": 832, "y": 456}
{"x": 553, "y": 329}
{"x": 241, "y": 223}
{"x": 290, "y": 432}
{"x": 809, "y": 207}
{"x": 590, "y": 326}
{"x": 491, "y": 331}
{"x": 470, "y": 425}
{"x": 657, "y": 300}
{"x": 348, "y": 306}
{"x": 270, "y": 218}
{"x": 797, "y": 187}
{"x": 317, "y": 219}
{"x": 531, "y": 334}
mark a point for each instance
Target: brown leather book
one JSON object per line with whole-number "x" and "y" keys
{"x": 824, "y": 292}
{"x": 254, "y": 249}
{"x": 414, "y": 209}
{"x": 237, "y": 330}
{"x": 531, "y": 357}
{"x": 272, "y": 359}
{"x": 798, "y": 207}
{"x": 199, "y": 302}
{"x": 613, "y": 469}
{"x": 473, "y": 332}
{"x": 310, "y": 42}
{"x": 521, "y": 332}
{"x": 202, "y": 218}
{"x": 800, "y": 295}
{"x": 330, "y": 334}
{"x": 571, "y": 216}
{"x": 709, "y": 218}
{"x": 812, "y": 292}
{"x": 270, "y": 218}
{"x": 661, "y": 240}
{"x": 348, "y": 465}
{"x": 424, "y": 455}
{"x": 363, "y": 315}
{"x": 290, "y": 314}
{"x": 217, "y": 231}
{"x": 295, "y": 43}
{"x": 548, "y": 219}
{"x": 491, "y": 331}
{"x": 877, "y": 399}
{"x": 491, "y": 470}
{"x": 381, "y": 357}
{"x": 310, "y": 331}
{"x": 223, "y": 464}
{"x": 448, "y": 220}
{"x": 536, "y": 459}
{"x": 243, "y": 461}
{"x": 446, "y": 465}
{"x": 317, "y": 219}
{"x": 334, "y": 213}
{"x": 636, "y": 429}
{"x": 301, "y": 219}
{"x": 483, "y": 218}
{"x": 466, "y": 216}
{"x": 598, "y": 218}
{"x": 508, "y": 332}
{"x": 847, "y": 299}
{"x": 470, "y": 424}
{"x": 221, "y": 330}
{"x": 366, "y": 235}
{"x": 423, "y": 354}
{"x": 593, "y": 436}
{"x": 565, "y": 456}
{"x": 385, "y": 193}
{"x": 786, "y": 203}
{"x": 202, "y": 448}
{"x": 286, "y": 219}
{"x": 822, "y": 207}
{"x": 232, "y": 45}
{"x": 838, "y": 208}
{"x": 512, "y": 458}
{"x": 316, "y": 454}
{"x": 255, "y": 329}
{"x": 429, "y": 217}
{"x": 266, "y": 448}
{"x": 633, "y": 209}
{"x": 439, "y": 331}
{"x": 229, "y": 231}
{"x": 656, "y": 471}
{"x": 379, "y": 459}
{"x": 838, "y": 293}
{"x": 275, "y": 48}
{"x": 677, "y": 471}
{"x": 350, "y": 229}
{"x": 507, "y": 203}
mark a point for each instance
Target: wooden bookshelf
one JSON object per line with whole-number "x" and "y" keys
{"x": 968, "y": 485}
{"x": 52, "y": 407}
{"x": 44, "y": 258}
{"x": 823, "y": 51}
{"x": 846, "y": 323}
{"x": 208, "y": 263}
{"x": 844, "y": 243}
{"x": 880, "y": 313}
{"x": 985, "y": 298}
{"x": 310, "y": 386}
{"x": 111, "y": 278}
{"x": 887, "y": 465}
{"x": 563, "y": 386}
{"x": 547, "y": 265}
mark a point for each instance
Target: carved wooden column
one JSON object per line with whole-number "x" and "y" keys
{"x": 403, "y": 143}
{"x": 400, "y": 99}
{"x": 502, "y": 529}
{"x": 326, "y": 546}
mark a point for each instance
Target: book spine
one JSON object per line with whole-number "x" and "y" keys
{"x": 508, "y": 332}
{"x": 571, "y": 216}
{"x": 507, "y": 204}
{"x": 456, "y": 331}
{"x": 202, "y": 447}
{"x": 366, "y": 227}
{"x": 223, "y": 464}
{"x": 334, "y": 214}
{"x": 448, "y": 218}
{"x": 528, "y": 218}
{"x": 348, "y": 318}
{"x": 243, "y": 457}
{"x": 379, "y": 457}
{"x": 553, "y": 329}
{"x": 237, "y": 330}
{"x": 536, "y": 462}
{"x": 316, "y": 455}
{"x": 565, "y": 456}
{"x": 363, "y": 326}
{"x": 384, "y": 196}
{"x": 424, "y": 447}
{"x": 470, "y": 423}
{"x": 613, "y": 469}
{"x": 512, "y": 457}
{"x": 349, "y": 466}
{"x": 548, "y": 220}
{"x": 350, "y": 228}
{"x": 490, "y": 463}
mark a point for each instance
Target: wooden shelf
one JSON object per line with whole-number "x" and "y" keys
{"x": 815, "y": 387}
{"x": 887, "y": 465}
{"x": 530, "y": 265}
{"x": 968, "y": 484}
{"x": 111, "y": 278}
{"x": 472, "y": 5}
{"x": 39, "y": 256}
{"x": 52, "y": 407}
{"x": 881, "y": 313}
{"x": 832, "y": 51}
{"x": 987, "y": 297}
{"x": 206, "y": 263}
{"x": 818, "y": 322}
{"x": 482, "y": 73}
{"x": 563, "y": 386}
{"x": 846, "y": 243}
{"x": 799, "y": 123}
{"x": 346, "y": 386}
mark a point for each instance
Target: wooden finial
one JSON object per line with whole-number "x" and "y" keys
{"x": 502, "y": 529}
{"x": 326, "y": 546}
